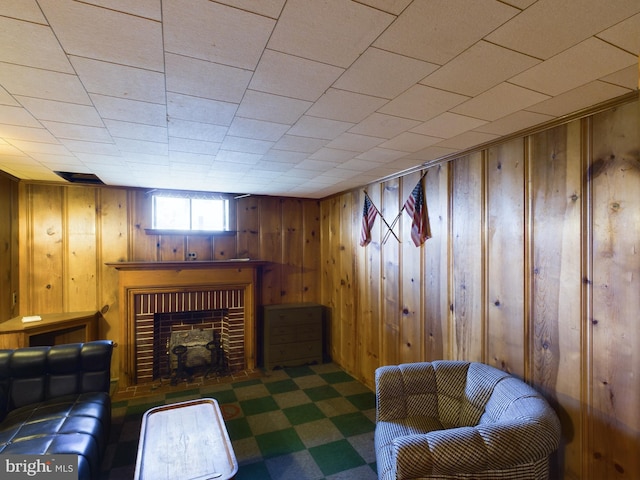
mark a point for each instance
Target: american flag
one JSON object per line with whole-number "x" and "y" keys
{"x": 416, "y": 207}
{"x": 369, "y": 213}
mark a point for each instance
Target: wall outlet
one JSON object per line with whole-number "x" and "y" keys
{"x": 192, "y": 256}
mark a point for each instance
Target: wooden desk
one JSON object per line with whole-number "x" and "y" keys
{"x": 53, "y": 329}
{"x": 185, "y": 441}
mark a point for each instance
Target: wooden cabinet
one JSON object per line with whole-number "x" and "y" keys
{"x": 292, "y": 334}
{"x": 53, "y": 329}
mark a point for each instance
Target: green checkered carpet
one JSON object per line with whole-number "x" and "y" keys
{"x": 303, "y": 423}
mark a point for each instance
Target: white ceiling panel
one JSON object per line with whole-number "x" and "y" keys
{"x": 31, "y": 45}
{"x": 548, "y": 27}
{"x": 215, "y": 32}
{"x": 104, "y": 34}
{"x": 294, "y": 97}
{"x": 332, "y": 31}
{"x": 383, "y": 74}
{"x": 569, "y": 69}
{"x": 460, "y": 24}
{"x": 500, "y": 101}
{"x": 479, "y": 68}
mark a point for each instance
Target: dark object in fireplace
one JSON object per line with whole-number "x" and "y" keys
{"x": 218, "y": 364}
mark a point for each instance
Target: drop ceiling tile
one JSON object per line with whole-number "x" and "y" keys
{"x": 102, "y": 161}
{"x": 6, "y": 98}
{"x": 22, "y": 9}
{"x": 194, "y": 109}
{"x": 356, "y": 164}
{"x": 141, "y": 146}
{"x": 257, "y": 129}
{"x": 137, "y": 131}
{"x": 287, "y": 157}
{"x": 121, "y": 81}
{"x": 130, "y": 110}
{"x": 433, "y": 152}
{"x": 38, "y": 83}
{"x": 500, "y": 101}
{"x": 625, "y": 34}
{"x": 315, "y": 165}
{"x": 246, "y": 145}
{"x": 383, "y": 126}
{"x": 460, "y": 24}
{"x": 467, "y": 140}
{"x": 31, "y": 45}
{"x": 479, "y": 68}
{"x": 321, "y": 128}
{"x": 381, "y": 155}
{"x": 196, "y": 130}
{"x": 293, "y": 77}
{"x": 56, "y": 159}
{"x": 40, "y": 147}
{"x": 61, "y": 112}
{"x": 587, "y": 61}
{"x": 578, "y": 98}
{"x": 332, "y": 155}
{"x": 514, "y": 123}
{"x": 394, "y": 7}
{"x": 192, "y": 151}
{"x": 268, "y": 8}
{"x": 88, "y": 31}
{"x": 32, "y": 134}
{"x": 237, "y": 39}
{"x": 241, "y": 158}
{"x": 272, "y": 108}
{"x": 345, "y": 106}
{"x": 354, "y": 142}
{"x": 11, "y": 115}
{"x": 78, "y": 132}
{"x": 78, "y": 146}
{"x": 447, "y": 125}
{"x": 142, "y": 8}
{"x": 294, "y": 143}
{"x": 335, "y": 32}
{"x": 383, "y": 74}
{"x": 201, "y": 78}
{"x": 409, "y": 142}
{"x": 422, "y": 103}
{"x": 548, "y": 27}
{"x": 627, "y": 77}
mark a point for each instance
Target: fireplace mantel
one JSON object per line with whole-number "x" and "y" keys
{"x": 137, "y": 278}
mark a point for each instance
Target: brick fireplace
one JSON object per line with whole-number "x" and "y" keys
{"x": 158, "y": 314}
{"x": 150, "y": 289}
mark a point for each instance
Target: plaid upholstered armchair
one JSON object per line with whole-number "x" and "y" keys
{"x": 461, "y": 420}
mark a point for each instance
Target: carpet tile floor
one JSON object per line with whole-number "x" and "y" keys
{"x": 304, "y": 423}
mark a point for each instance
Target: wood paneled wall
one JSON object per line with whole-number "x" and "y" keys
{"x": 68, "y": 233}
{"x": 8, "y": 246}
{"x": 533, "y": 267}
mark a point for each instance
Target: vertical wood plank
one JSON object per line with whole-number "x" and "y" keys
{"x": 555, "y": 176}
{"x": 271, "y": 249}
{"x": 409, "y": 281}
{"x": 436, "y": 254}
{"x": 143, "y": 248}
{"x": 202, "y": 246}
{"x": 248, "y": 228}
{"x": 615, "y": 182}
{"x": 467, "y": 251}
{"x": 80, "y": 281}
{"x": 223, "y": 246}
{"x": 391, "y": 278}
{"x": 292, "y": 244}
{"x": 46, "y": 287}
{"x": 345, "y": 256}
{"x": 310, "y": 279}
{"x": 505, "y": 262}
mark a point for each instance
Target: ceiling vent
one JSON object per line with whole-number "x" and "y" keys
{"x": 73, "y": 177}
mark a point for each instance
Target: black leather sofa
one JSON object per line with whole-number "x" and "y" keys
{"x": 55, "y": 400}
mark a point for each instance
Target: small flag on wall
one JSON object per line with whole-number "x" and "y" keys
{"x": 369, "y": 213}
{"x": 416, "y": 207}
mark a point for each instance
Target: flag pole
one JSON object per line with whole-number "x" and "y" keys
{"x": 382, "y": 217}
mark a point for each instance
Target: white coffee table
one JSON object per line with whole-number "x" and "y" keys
{"x": 185, "y": 441}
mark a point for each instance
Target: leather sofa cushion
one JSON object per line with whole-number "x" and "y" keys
{"x": 72, "y": 424}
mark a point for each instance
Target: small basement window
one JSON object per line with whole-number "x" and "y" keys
{"x": 190, "y": 211}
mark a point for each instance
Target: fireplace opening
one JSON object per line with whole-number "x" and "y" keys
{"x": 188, "y": 344}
